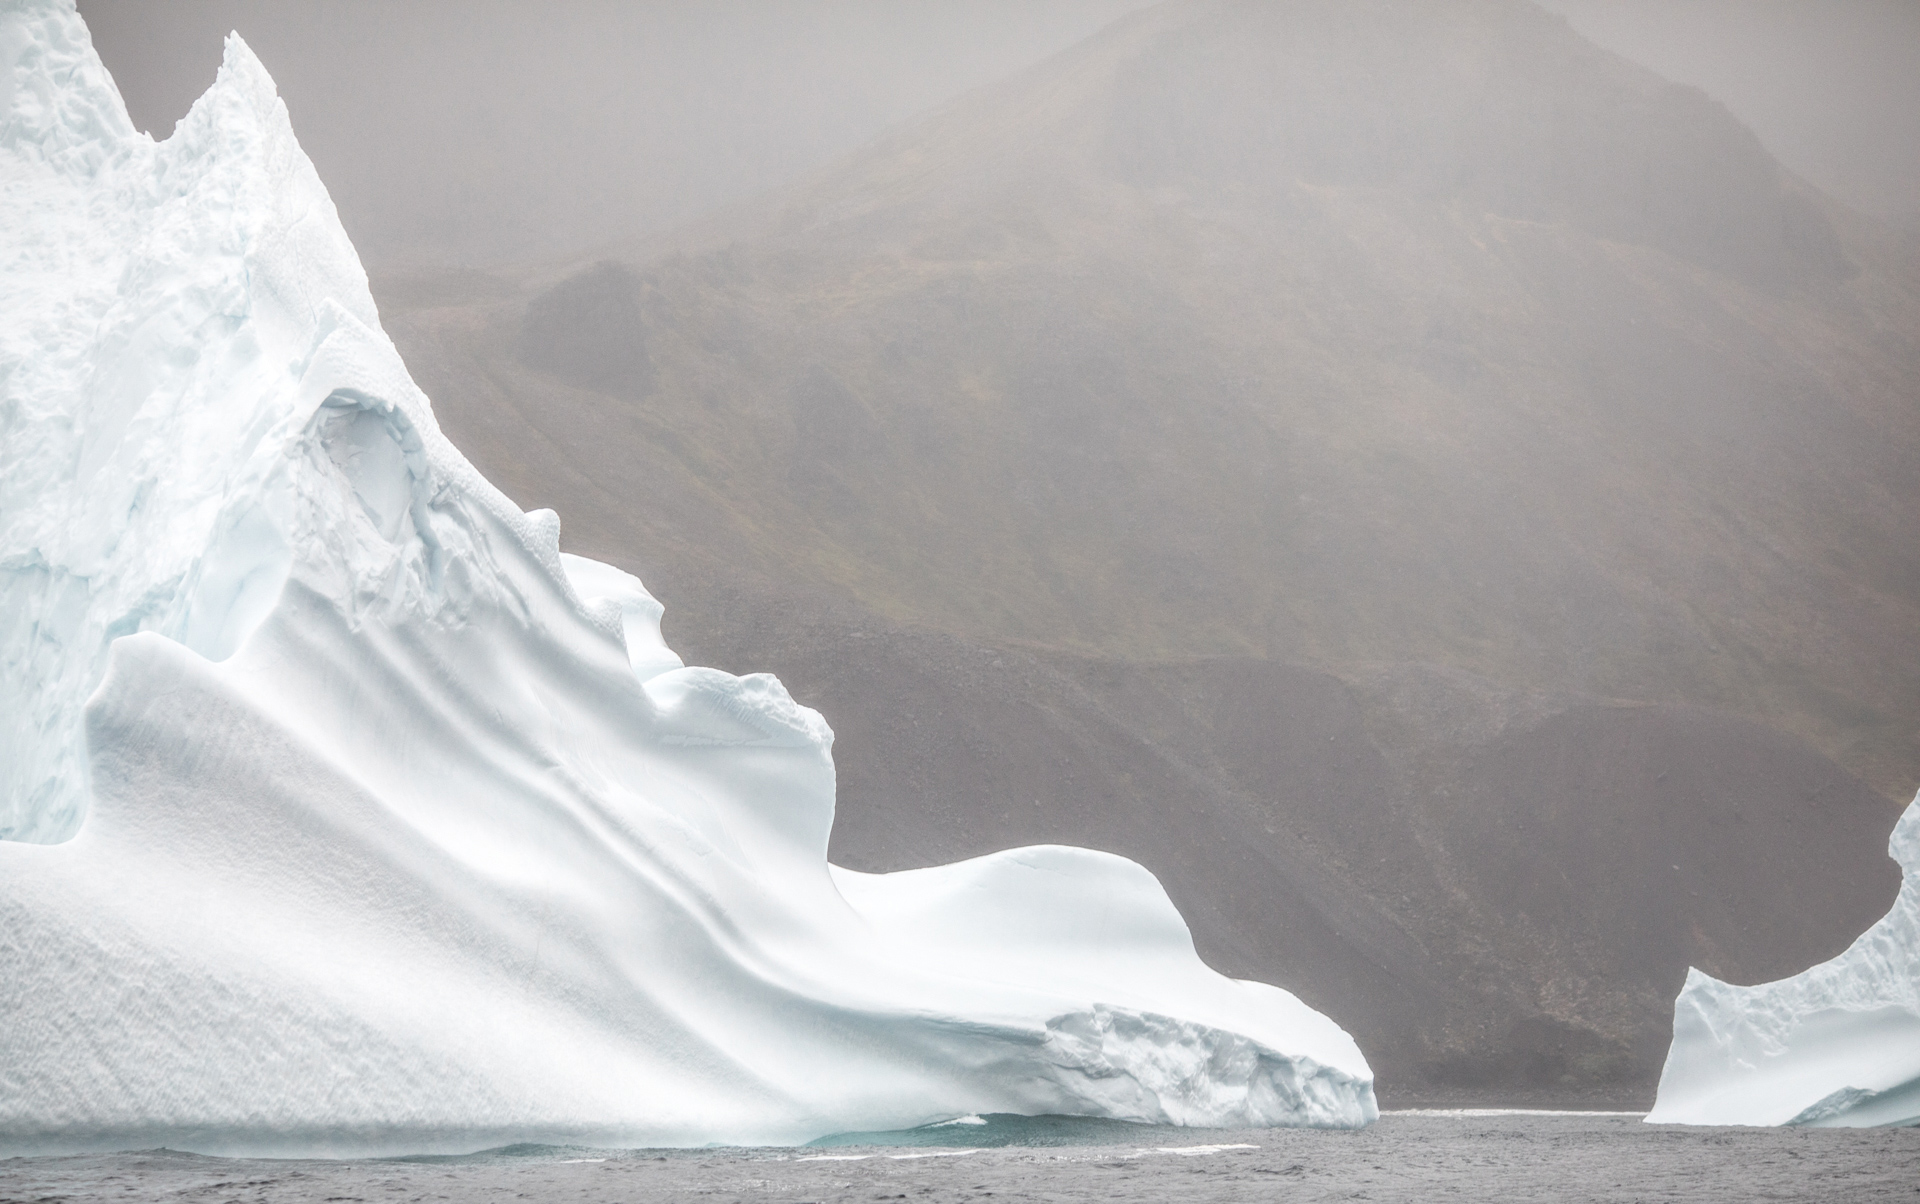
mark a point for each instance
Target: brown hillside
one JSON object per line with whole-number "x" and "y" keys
{"x": 1435, "y": 477}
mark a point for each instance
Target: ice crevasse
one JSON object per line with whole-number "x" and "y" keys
{"x": 1836, "y": 1045}
{"x": 348, "y": 815}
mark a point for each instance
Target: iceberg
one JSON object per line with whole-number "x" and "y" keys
{"x": 347, "y": 815}
{"x": 1836, "y": 1045}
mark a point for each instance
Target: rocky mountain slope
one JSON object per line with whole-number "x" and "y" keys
{"x": 1532, "y": 457}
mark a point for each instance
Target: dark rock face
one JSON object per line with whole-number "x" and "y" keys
{"x": 1409, "y": 478}
{"x": 588, "y": 330}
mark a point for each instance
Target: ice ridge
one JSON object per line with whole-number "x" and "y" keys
{"x": 1836, "y": 1045}
{"x": 348, "y": 815}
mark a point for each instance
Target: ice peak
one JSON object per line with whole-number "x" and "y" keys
{"x": 57, "y": 102}
{"x": 241, "y": 69}
{"x": 241, "y": 116}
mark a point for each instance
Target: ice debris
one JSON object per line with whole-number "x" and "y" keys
{"x": 348, "y": 815}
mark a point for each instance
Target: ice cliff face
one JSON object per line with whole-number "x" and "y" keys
{"x": 1836, "y": 1045}
{"x": 350, "y": 816}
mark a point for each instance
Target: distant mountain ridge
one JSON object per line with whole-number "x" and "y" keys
{"x": 1470, "y": 103}
{"x": 1423, "y": 359}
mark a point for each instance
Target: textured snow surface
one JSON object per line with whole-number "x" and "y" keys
{"x": 350, "y": 816}
{"x": 1835, "y": 1045}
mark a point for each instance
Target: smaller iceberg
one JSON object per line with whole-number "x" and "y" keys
{"x": 1836, "y": 1045}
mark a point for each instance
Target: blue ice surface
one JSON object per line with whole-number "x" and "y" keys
{"x": 1006, "y": 1129}
{"x": 973, "y": 1132}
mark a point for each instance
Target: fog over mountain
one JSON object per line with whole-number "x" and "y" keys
{"x": 493, "y": 131}
{"x": 1832, "y": 89}
{"x": 1435, "y": 491}
{"x": 485, "y": 131}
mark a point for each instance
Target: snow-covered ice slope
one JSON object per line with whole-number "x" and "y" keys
{"x": 1838, "y": 1044}
{"x": 351, "y": 816}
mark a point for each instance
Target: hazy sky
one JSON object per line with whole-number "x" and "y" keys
{"x": 483, "y": 129}
{"x": 486, "y": 131}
